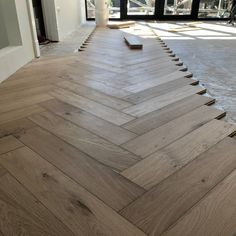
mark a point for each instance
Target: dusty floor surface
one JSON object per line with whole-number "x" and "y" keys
{"x": 209, "y": 51}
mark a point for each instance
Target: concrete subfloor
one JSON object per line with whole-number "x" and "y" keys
{"x": 210, "y": 54}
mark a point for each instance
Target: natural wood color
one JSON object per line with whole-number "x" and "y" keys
{"x": 163, "y": 100}
{"x": 120, "y": 25}
{"x": 133, "y": 42}
{"x": 79, "y": 210}
{"x": 92, "y": 123}
{"x": 166, "y": 114}
{"x": 98, "y": 139}
{"x": 168, "y": 201}
{"x": 100, "y": 149}
{"x": 166, "y": 161}
{"x": 214, "y": 215}
{"x": 21, "y": 212}
{"x": 94, "y": 108}
{"x": 16, "y": 126}
{"x": 8, "y": 144}
{"x": 160, "y": 137}
{"x": 82, "y": 168}
{"x": 19, "y": 113}
{"x": 94, "y": 95}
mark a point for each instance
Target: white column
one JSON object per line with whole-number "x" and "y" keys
{"x": 101, "y": 12}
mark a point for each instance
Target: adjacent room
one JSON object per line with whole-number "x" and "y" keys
{"x": 117, "y": 118}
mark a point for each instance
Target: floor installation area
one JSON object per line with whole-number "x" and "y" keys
{"x": 114, "y": 141}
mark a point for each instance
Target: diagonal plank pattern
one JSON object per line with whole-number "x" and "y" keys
{"x": 113, "y": 141}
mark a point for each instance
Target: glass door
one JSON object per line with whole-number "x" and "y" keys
{"x": 141, "y": 7}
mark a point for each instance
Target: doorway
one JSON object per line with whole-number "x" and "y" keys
{"x": 39, "y": 21}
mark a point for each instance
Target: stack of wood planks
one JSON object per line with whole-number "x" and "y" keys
{"x": 112, "y": 141}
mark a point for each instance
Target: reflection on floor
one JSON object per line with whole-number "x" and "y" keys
{"x": 210, "y": 54}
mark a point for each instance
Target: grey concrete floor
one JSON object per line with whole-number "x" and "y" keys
{"x": 210, "y": 54}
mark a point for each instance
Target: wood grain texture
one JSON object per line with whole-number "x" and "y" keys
{"x": 95, "y": 177}
{"x": 94, "y": 95}
{"x": 214, "y": 215}
{"x": 97, "y": 109}
{"x": 160, "y": 137}
{"x": 16, "y": 126}
{"x": 8, "y": 144}
{"x": 92, "y": 123}
{"x": 79, "y": 210}
{"x": 163, "y": 100}
{"x": 23, "y": 214}
{"x": 168, "y": 201}
{"x": 100, "y": 149}
{"x": 165, "y": 162}
{"x": 167, "y": 113}
{"x": 19, "y": 113}
{"x": 159, "y": 90}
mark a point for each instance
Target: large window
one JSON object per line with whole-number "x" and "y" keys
{"x": 214, "y": 8}
{"x": 141, "y": 7}
{"x": 178, "y": 7}
{"x": 164, "y": 9}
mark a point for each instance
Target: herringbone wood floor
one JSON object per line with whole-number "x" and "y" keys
{"x": 113, "y": 141}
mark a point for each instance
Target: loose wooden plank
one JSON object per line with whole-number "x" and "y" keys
{"x": 163, "y": 100}
{"x": 79, "y": 210}
{"x": 160, "y": 90}
{"x": 8, "y": 144}
{"x": 100, "y": 149}
{"x": 102, "y": 128}
{"x": 94, "y": 95}
{"x": 133, "y": 42}
{"x": 97, "y": 109}
{"x": 146, "y": 84}
{"x": 160, "y": 137}
{"x": 165, "y": 162}
{"x": 20, "y": 113}
{"x": 15, "y": 126}
{"x": 167, "y": 113}
{"x": 214, "y": 215}
{"x": 120, "y": 25}
{"x": 22, "y": 213}
{"x": 95, "y": 177}
{"x": 161, "y": 208}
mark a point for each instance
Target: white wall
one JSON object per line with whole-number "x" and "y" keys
{"x": 3, "y": 36}
{"x": 20, "y": 51}
{"x": 70, "y": 15}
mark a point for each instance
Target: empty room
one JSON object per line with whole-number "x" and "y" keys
{"x": 117, "y": 118}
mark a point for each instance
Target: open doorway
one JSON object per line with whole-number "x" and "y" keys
{"x": 39, "y": 22}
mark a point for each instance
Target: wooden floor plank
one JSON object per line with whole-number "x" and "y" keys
{"x": 163, "y": 100}
{"x": 100, "y": 149}
{"x": 92, "y": 123}
{"x": 19, "y": 113}
{"x": 167, "y": 113}
{"x": 92, "y": 94}
{"x": 79, "y": 210}
{"x": 160, "y": 137}
{"x": 13, "y": 127}
{"x": 146, "y": 84}
{"x": 214, "y": 215}
{"x": 95, "y": 177}
{"x": 24, "y": 102}
{"x": 168, "y": 201}
{"x": 163, "y": 163}
{"x": 97, "y": 109}
{"x": 22, "y": 213}
{"x": 159, "y": 90}
{"x": 8, "y": 144}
